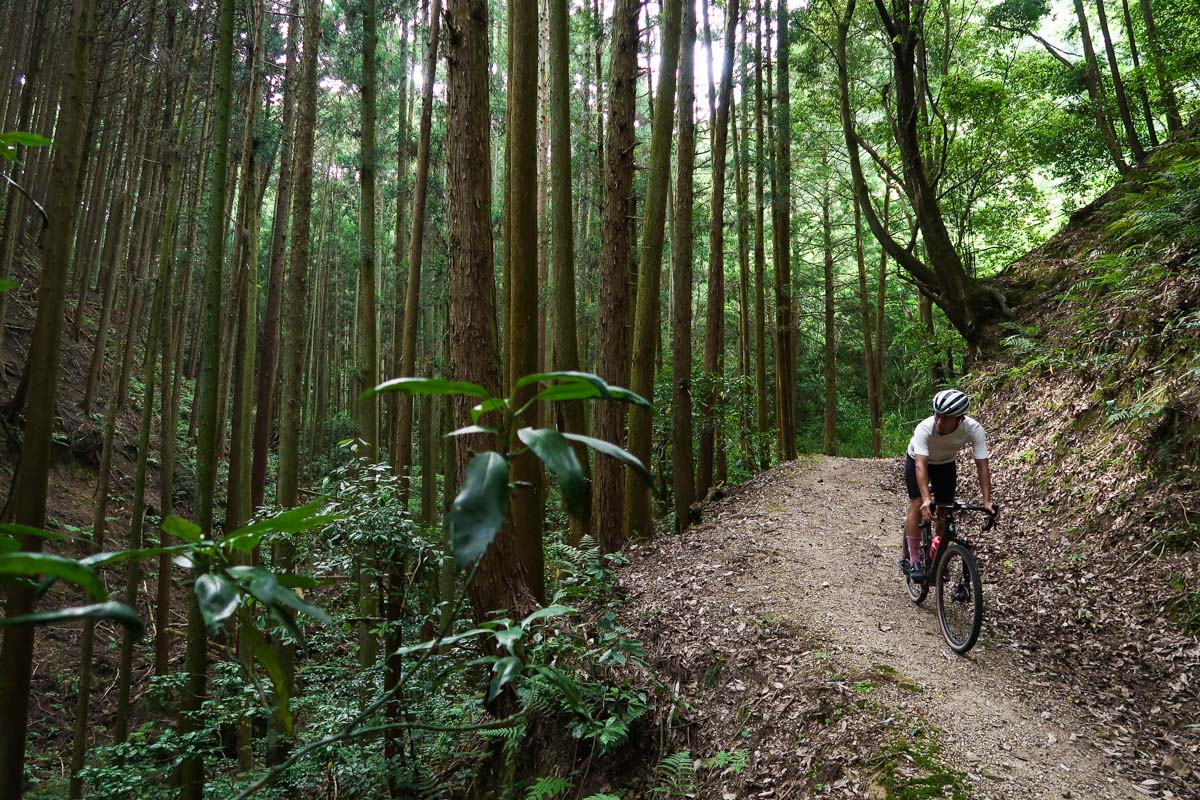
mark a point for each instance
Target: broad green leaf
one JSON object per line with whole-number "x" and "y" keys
{"x": 601, "y": 446}
{"x": 552, "y": 448}
{"x": 546, "y": 613}
{"x": 506, "y": 669}
{"x": 509, "y": 636}
{"x": 67, "y": 569}
{"x": 429, "y": 386}
{"x": 141, "y": 554}
{"x": 8, "y": 544}
{"x": 219, "y": 598}
{"x": 259, "y": 581}
{"x": 486, "y": 407}
{"x": 266, "y": 655}
{"x": 473, "y": 429}
{"x": 117, "y": 612}
{"x": 572, "y": 385}
{"x": 286, "y": 597}
{"x": 480, "y": 507}
{"x": 445, "y": 641}
{"x": 28, "y": 531}
{"x": 6, "y": 285}
{"x": 182, "y": 529}
{"x": 570, "y": 690}
{"x": 294, "y": 520}
{"x": 297, "y": 581}
{"x": 27, "y": 139}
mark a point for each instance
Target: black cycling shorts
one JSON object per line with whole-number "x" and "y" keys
{"x": 944, "y": 478}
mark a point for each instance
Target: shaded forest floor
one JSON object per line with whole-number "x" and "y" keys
{"x": 783, "y": 624}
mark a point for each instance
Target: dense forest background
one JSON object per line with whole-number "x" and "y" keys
{"x": 782, "y": 226}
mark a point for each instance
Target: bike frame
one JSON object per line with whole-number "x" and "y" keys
{"x": 929, "y": 556}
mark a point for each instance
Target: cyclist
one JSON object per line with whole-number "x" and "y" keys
{"x": 931, "y": 454}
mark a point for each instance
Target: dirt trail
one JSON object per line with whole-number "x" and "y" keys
{"x": 813, "y": 545}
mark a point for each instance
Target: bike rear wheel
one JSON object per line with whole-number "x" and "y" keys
{"x": 959, "y": 597}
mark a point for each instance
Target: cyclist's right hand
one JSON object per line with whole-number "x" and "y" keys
{"x": 927, "y": 510}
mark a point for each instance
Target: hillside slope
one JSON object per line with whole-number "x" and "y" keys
{"x": 1094, "y": 405}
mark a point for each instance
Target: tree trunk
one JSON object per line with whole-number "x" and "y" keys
{"x": 682, "y": 467}
{"x": 1095, "y": 86}
{"x": 781, "y": 218}
{"x": 191, "y": 771}
{"x": 566, "y": 348}
{"x": 639, "y": 520}
{"x": 27, "y": 501}
{"x": 268, "y": 365}
{"x": 1135, "y": 144}
{"x": 829, "y": 439}
{"x": 1165, "y": 88}
{"x": 760, "y": 301}
{"x": 416, "y": 241}
{"x": 474, "y": 342}
{"x": 1140, "y": 87}
{"x": 612, "y": 354}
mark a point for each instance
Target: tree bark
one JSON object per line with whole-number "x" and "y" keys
{"x": 27, "y": 500}
{"x": 566, "y": 337}
{"x": 781, "y": 236}
{"x": 760, "y": 301}
{"x": 682, "y": 466}
{"x": 1165, "y": 88}
{"x": 528, "y": 501}
{"x": 474, "y": 341}
{"x": 612, "y": 354}
{"x": 829, "y": 438}
{"x": 639, "y": 519}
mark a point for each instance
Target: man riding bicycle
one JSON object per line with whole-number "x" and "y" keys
{"x": 931, "y": 459}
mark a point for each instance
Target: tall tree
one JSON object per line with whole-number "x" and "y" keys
{"x": 829, "y": 438}
{"x": 191, "y": 771}
{"x": 639, "y": 520}
{"x": 368, "y": 332}
{"x": 474, "y": 341}
{"x": 268, "y": 363}
{"x": 1131, "y": 134}
{"x": 760, "y": 300}
{"x": 27, "y": 500}
{"x": 682, "y": 466}
{"x": 1096, "y": 90}
{"x": 1165, "y": 87}
{"x": 781, "y": 237}
{"x": 523, "y": 317}
{"x": 416, "y": 242}
{"x": 1140, "y": 82}
{"x": 291, "y": 357}
{"x": 566, "y": 337}
{"x": 612, "y": 353}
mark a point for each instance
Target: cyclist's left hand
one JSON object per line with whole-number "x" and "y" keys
{"x": 993, "y": 510}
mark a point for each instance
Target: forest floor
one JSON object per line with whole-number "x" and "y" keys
{"x": 783, "y": 624}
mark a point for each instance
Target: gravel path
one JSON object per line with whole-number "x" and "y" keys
{"x": 835, "y": 528}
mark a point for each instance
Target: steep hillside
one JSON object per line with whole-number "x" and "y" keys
{"x": 1093, "y": 405}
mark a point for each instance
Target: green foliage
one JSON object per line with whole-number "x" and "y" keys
{"x": 9, "y": 142}
{"x": 676, "y": 776}
{"x": 547, "y": 788}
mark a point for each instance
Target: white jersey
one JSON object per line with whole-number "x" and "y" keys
{"x": 943, "y": 449}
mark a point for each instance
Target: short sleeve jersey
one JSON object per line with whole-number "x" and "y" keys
{"x": 943, "y": 449}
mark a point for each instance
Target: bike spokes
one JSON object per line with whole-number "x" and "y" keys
{"x": 959, "y": 598}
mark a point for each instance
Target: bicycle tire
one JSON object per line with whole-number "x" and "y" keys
{"x": 917, "y": 590}
{"x": 959, "y": 597}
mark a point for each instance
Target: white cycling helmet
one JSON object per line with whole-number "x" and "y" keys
{"x": 951, "y": 403}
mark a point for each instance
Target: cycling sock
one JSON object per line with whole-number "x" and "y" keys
{"x": 914, "y": 549}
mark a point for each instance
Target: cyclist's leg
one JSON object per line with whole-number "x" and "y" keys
{"x": 944, "y": 478}
{"x": 912, "y": 520}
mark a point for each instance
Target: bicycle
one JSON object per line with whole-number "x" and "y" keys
{"x": 951, "y": 567}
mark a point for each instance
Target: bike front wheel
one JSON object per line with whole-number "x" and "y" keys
{"x": 959, "y": 597}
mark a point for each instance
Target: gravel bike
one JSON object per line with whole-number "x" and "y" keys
{"x": 951, "y": 569}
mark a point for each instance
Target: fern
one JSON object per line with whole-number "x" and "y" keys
{"x": 547, "y": 787}
{"x": 676, "y": 775}
{"x": 603, "y": 796}
{"x": 735, "y": 762}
